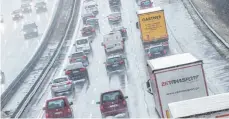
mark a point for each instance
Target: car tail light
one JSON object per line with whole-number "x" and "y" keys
{"x": 47, "y": 115}
{"x": 68, "y": 72}
{"x": 82, "y": 69}
{"x": 165, "y": 43}
{"x": 124, "y": 102}
{"x": 121, "y": 62}
{"x": 124, "y": 30}
{"x": 69, "y": 82}
{"x": 149, "y": 55}
{"x": 93, "y": 30}
{"x": 84, "y": 57}
{"x": 69, "y": 110}
{"x": 164, "y": 51}
{"x": 101, "y": 108}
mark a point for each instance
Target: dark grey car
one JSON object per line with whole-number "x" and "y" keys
{"x": 17, "y": 15}
{"x": 41, "y": 7}
{"x": 26, "y": 8}
{"x": 30, "y": 30}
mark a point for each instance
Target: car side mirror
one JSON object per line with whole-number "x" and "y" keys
{"x": 70, "y": 103}
{"x": 126, "y": 97}
{"x": 97, "y": 102}
{"x": 44, "y": 108}
{"x": 137, "y": 25}
{"x": 148, "y": 87}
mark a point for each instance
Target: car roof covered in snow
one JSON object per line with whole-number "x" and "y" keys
{"x": 149, "y": 10}
{"x": 199, "y": 105}
{"x": 171, "y": 61}
{"x": 74, "y": 66}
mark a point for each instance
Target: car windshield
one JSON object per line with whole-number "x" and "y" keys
{"x": 29, "y": 26}
{"x": 77, "y": 54}
{"x": 111, "y": 96}
{"x": 59, "y": 80}
{"x": 83, "y": 41}
{"x": 114, "y": 59}
{"x": 55, "y": 104}
{"x": 145, "y": 3}
{"x": 156, "y": 49}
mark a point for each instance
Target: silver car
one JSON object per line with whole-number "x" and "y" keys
{"x": 83, "y": 44}
{"x": 62, "y": 85}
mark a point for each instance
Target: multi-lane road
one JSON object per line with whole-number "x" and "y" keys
{"x": 16, "y": 52}
{"x": 184, "y": 36}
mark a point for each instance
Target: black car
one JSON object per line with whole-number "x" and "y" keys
{"x": 156, "y": 51}
{"x": 87, "y": 16}
{"x": 40, "y": 7}
{"x": 77, "y": 72}
{"x": 122, "y": 30}
{"x": 88, "y": 31}
{"x": 79, "y": 56}
{"x": 114, "y": 2}
{"x": 26, "y": 8}
{"x": 30, "y": 30}
{"x": 17, "y": 15}
{"x": 115, "y": 63}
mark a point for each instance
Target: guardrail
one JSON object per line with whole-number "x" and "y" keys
{"x": 14, "y": 86}
{"x": 206, "y": 23}
{"x": 17, "y": 113}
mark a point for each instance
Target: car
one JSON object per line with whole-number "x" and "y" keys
{"x": 115, "y": 64}
{"x": 92, "y": 7}
{"x": 26, "y": 8}
{"x": 77, "y": 72}
{"x": 122, "y": 30}
{"x": 40, "y": 7}
{"x": 87, "y": 15}
{"x": 62, "y": 85}
{"x": 79, "y": 56}
{"x": 144, "y": 4}
{"x": 58, "y": 107}
{"x": 156, "y": 51}
{"x": 30, "y": 30}
{"x": 93, "y": 22}
{"x": 114, "y": 2}
{"x": 113, "y": 43}
{"x": 17, "y": 15}
{"x": 113, "y": 103}
{"x": 83, "y": 44}
{"x": 115, "y": 8}
{"x": 88, "y": 31}
{"x": 114, "y": 18}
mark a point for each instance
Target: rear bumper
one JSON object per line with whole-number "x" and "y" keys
{"x": 123, "y": 112}
{"x": 67, "y": 89}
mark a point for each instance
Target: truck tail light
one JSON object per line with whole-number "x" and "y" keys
{"x": 82, "y": 69}
{"x": 68, "y": 72}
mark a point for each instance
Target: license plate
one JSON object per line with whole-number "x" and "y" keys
{"x": 114, "y": 105}
{"x": 58, "y": 112}
{"x": 75, "y": 71}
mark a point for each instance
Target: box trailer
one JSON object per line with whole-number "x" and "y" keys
{"x": 215, "y": 106}
{"x": 175, "y": 78}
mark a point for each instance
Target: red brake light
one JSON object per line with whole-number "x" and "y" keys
{"x": 82, "y": 69}
{"x": 69, "y": 82}
{"x": 84, "y": 57}
{"x": 47, "y": 115}
{"x": 68, "y": 72}
{"x": 101, "y": 108}
{"x": 124, "y": 30}
{"x": 124, "y": 102}
{"x": 105, "y": 46}
{"x": 69, "y": 110}
{"x": 149, "y": 55}
{"x": 164, "y": 51}
{"x": 121, "y": 62}
{"x": 93, "y": 30}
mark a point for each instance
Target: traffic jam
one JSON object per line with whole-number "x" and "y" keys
{"x": 185, "y": 70}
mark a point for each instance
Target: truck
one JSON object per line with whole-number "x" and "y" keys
{"x": 215, "y": 106}
{"x": 175, "y": 78}
{"x": 153, "y": 27}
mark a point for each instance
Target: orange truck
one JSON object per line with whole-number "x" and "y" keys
{"x": 152, "y": 25}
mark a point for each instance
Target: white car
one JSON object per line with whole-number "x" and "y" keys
{"x": 83, "y": 44}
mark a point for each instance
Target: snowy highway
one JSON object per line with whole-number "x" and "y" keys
{"x": 184, "y": 36}
{"x": 16, "y": 52}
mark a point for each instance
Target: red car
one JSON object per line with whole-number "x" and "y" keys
{"x": 113, "y": 103}
{"x": 58, "y": 107}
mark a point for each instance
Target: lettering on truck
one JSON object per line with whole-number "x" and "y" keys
{"x": 151, "y": 18}
{"x": 181, "y": 80}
